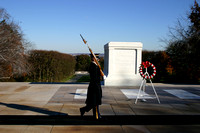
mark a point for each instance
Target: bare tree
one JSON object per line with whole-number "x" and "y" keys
{"x": 13, "y": 61}
{"x": 183, "y": 47}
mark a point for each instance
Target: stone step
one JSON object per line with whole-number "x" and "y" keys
{"x": 106, "y": 120}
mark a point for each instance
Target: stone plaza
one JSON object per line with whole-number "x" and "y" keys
{"x": 54, "y": 108}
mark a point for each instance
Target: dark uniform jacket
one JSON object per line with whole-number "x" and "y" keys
{"x": 94, "y": 93}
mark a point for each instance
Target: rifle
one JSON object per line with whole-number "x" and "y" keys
{"x": 95, "y": 58}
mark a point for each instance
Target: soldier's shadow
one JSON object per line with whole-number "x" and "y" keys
{"x": 58, "y": 118}
{"x": 31, "y": 108}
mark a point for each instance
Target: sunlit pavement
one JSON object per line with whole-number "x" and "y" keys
{"x": 52, "y": 108}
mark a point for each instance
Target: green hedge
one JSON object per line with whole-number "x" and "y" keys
{"x": 50, "y": 66}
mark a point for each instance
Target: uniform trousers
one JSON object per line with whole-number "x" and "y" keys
{"x": 95, "y": 109}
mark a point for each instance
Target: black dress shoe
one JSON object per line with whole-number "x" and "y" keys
{"x": 82, "y": 111}
{"x": 97, "y": 118}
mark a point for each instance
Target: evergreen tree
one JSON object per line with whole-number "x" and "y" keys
{"x": 184, "y": 51}
{"x": 195, "y": 18}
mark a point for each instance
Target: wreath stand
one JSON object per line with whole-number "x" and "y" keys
{"x": 142, "y": 86}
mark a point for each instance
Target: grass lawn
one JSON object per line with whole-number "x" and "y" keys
{"x": 84, "y": 79}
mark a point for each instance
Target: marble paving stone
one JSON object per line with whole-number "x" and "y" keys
{"x": 27, "y": 108}
{"x": 58, "y": 95}
{"x": 12, "y": 111}
{"x": 87, "y": 129}
{"x": 80, "y": 94}
{"x": 182, "y": 94}
{"x": 32, "y": 113}
{"x": 123, "y": 102}
{"x": 53, "y": 106}
{"x": 17, "y": 97}
{"x": 135, "y": 129}
{"x": 122, "y": 110}
{"x": 51, "y": 109}
{"x": 174, "y": 128}
{"x": 4, "y": 97}
{"x": 31, "y": 104}
{"x": 106, "y": 109}
{"x": 2, "y": 106}
{"x": 33, "y": 94}
{"x": 132, "y": 94}
{"x": 108, "y": 101}
{"x": 21, "y": 88}
{"x": 185, "y": 109}
{"x": 63, "y": 95}
{"x": 12, "y": 128}
{"x": 38, "y": 129}
{"x": 195, "y": 106}
{"x": 8, "y": 89}
{"x": 118, "y": 95}
{"x": 68, "y": 96}
{"x": 154, "y": 109}
{"x": 107, "y": 97}
{"x": 73, "y": 109}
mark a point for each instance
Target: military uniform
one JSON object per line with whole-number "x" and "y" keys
{"x": 94, "y": 93}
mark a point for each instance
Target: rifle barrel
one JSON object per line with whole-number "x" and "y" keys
{"x": 95, "y": 58}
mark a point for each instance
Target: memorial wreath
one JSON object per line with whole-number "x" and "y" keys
{"x": 146, "y": 65}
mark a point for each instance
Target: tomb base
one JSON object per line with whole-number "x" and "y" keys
{"x": 123, "y": 81}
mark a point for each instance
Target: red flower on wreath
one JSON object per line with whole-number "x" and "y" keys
{"x": 146, "y": 64}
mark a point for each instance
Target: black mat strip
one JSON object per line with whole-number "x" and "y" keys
{"x": 106, "y": 120}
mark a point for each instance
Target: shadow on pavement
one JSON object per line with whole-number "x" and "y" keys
{"x": 34, "y": 109}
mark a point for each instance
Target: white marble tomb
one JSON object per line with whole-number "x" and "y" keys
{"x": 121, "y": 63}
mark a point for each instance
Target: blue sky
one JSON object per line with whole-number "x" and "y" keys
{"x": 57, "y": 24}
